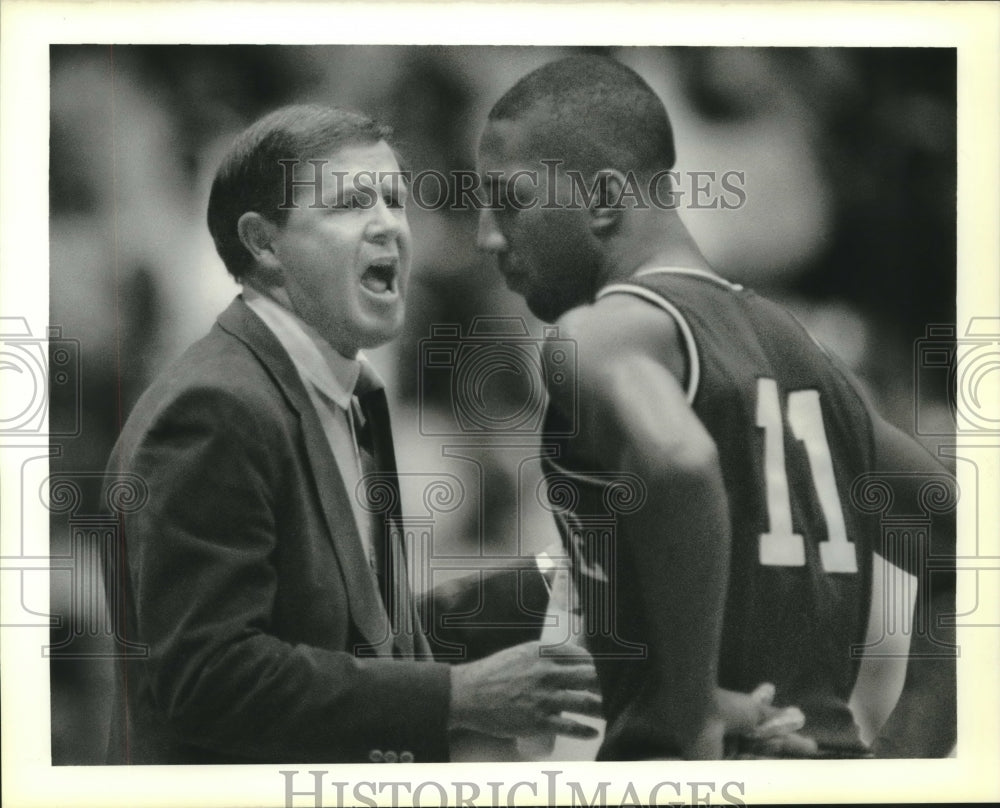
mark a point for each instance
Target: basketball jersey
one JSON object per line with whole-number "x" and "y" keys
{"x": 792, "y": 435}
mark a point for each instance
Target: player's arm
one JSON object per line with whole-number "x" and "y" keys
{"x": 634, "y": 418}
{"x": 923, "y": 722}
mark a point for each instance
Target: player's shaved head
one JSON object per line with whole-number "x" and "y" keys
{"x": 592, "y": 113}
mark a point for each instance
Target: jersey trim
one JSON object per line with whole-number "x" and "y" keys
{"x": 575, "y": 475}
{"x": 698, "y": 273}
{"x": 694, "y": 367}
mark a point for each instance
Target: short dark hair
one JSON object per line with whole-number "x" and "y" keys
{"x": 251, "y": 177}
{"x": 594, "y": 113}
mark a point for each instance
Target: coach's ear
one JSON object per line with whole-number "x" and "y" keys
{"x": 257, "y": 234}
{"x": 605, "y": 207}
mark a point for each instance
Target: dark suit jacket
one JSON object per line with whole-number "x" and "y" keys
{"x": 245, "y": 578}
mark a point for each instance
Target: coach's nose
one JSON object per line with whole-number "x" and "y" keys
{"x": 489, "y": 238}
{"x": 384, "y": 223}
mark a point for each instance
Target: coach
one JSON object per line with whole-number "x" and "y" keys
{"x": 273, "y": 603}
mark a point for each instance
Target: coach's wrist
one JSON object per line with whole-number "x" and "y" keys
{"x": 461, "y": 692}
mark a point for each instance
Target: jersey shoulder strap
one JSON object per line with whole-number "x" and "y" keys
{"x": 658, "y": 299}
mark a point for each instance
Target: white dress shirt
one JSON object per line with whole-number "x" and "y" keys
{"x": 329, "y": 378}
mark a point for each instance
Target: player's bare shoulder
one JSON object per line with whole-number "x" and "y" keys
{"x": 608, "y": 344}
{"x": 617, "y": 328}
{"x": 585, "y": 330}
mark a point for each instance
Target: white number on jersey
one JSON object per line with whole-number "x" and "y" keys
{"x": 780, "y": 546}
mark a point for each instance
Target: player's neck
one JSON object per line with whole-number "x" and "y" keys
{"x": 661, "y": 241}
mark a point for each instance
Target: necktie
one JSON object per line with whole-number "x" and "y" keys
{"x": 368, "y": 392}
{"x": 378, "y": 461}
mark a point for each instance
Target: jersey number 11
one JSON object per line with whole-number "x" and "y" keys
{"x": 780, "y": 546}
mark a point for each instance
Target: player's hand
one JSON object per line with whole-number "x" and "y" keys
{"x": 762, "y": 729}
{"x": 519, "y": 692}
{"x": 750, "y": 724}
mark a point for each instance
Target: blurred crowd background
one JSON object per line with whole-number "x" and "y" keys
{"x": 849, "y": 160}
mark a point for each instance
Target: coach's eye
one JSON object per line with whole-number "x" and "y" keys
{"x": 352, "y": 201}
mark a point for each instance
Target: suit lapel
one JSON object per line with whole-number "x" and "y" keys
{"x": 367, "y": 610}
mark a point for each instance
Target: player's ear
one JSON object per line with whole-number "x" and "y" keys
{"x": 257, "y": 234}
{"x": 605, "y": 207}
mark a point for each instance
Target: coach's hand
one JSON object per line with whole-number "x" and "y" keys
{"x": 520, "y": 692}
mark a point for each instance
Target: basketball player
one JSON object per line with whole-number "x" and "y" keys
{"x": 745, "y": 558}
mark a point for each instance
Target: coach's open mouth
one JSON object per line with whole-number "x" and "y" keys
{"x": 379, "y": 277}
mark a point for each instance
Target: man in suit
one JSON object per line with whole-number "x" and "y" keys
{"x": 269, "y": 590}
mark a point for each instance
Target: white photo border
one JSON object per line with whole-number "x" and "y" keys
{"x": 28, "y": 28}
